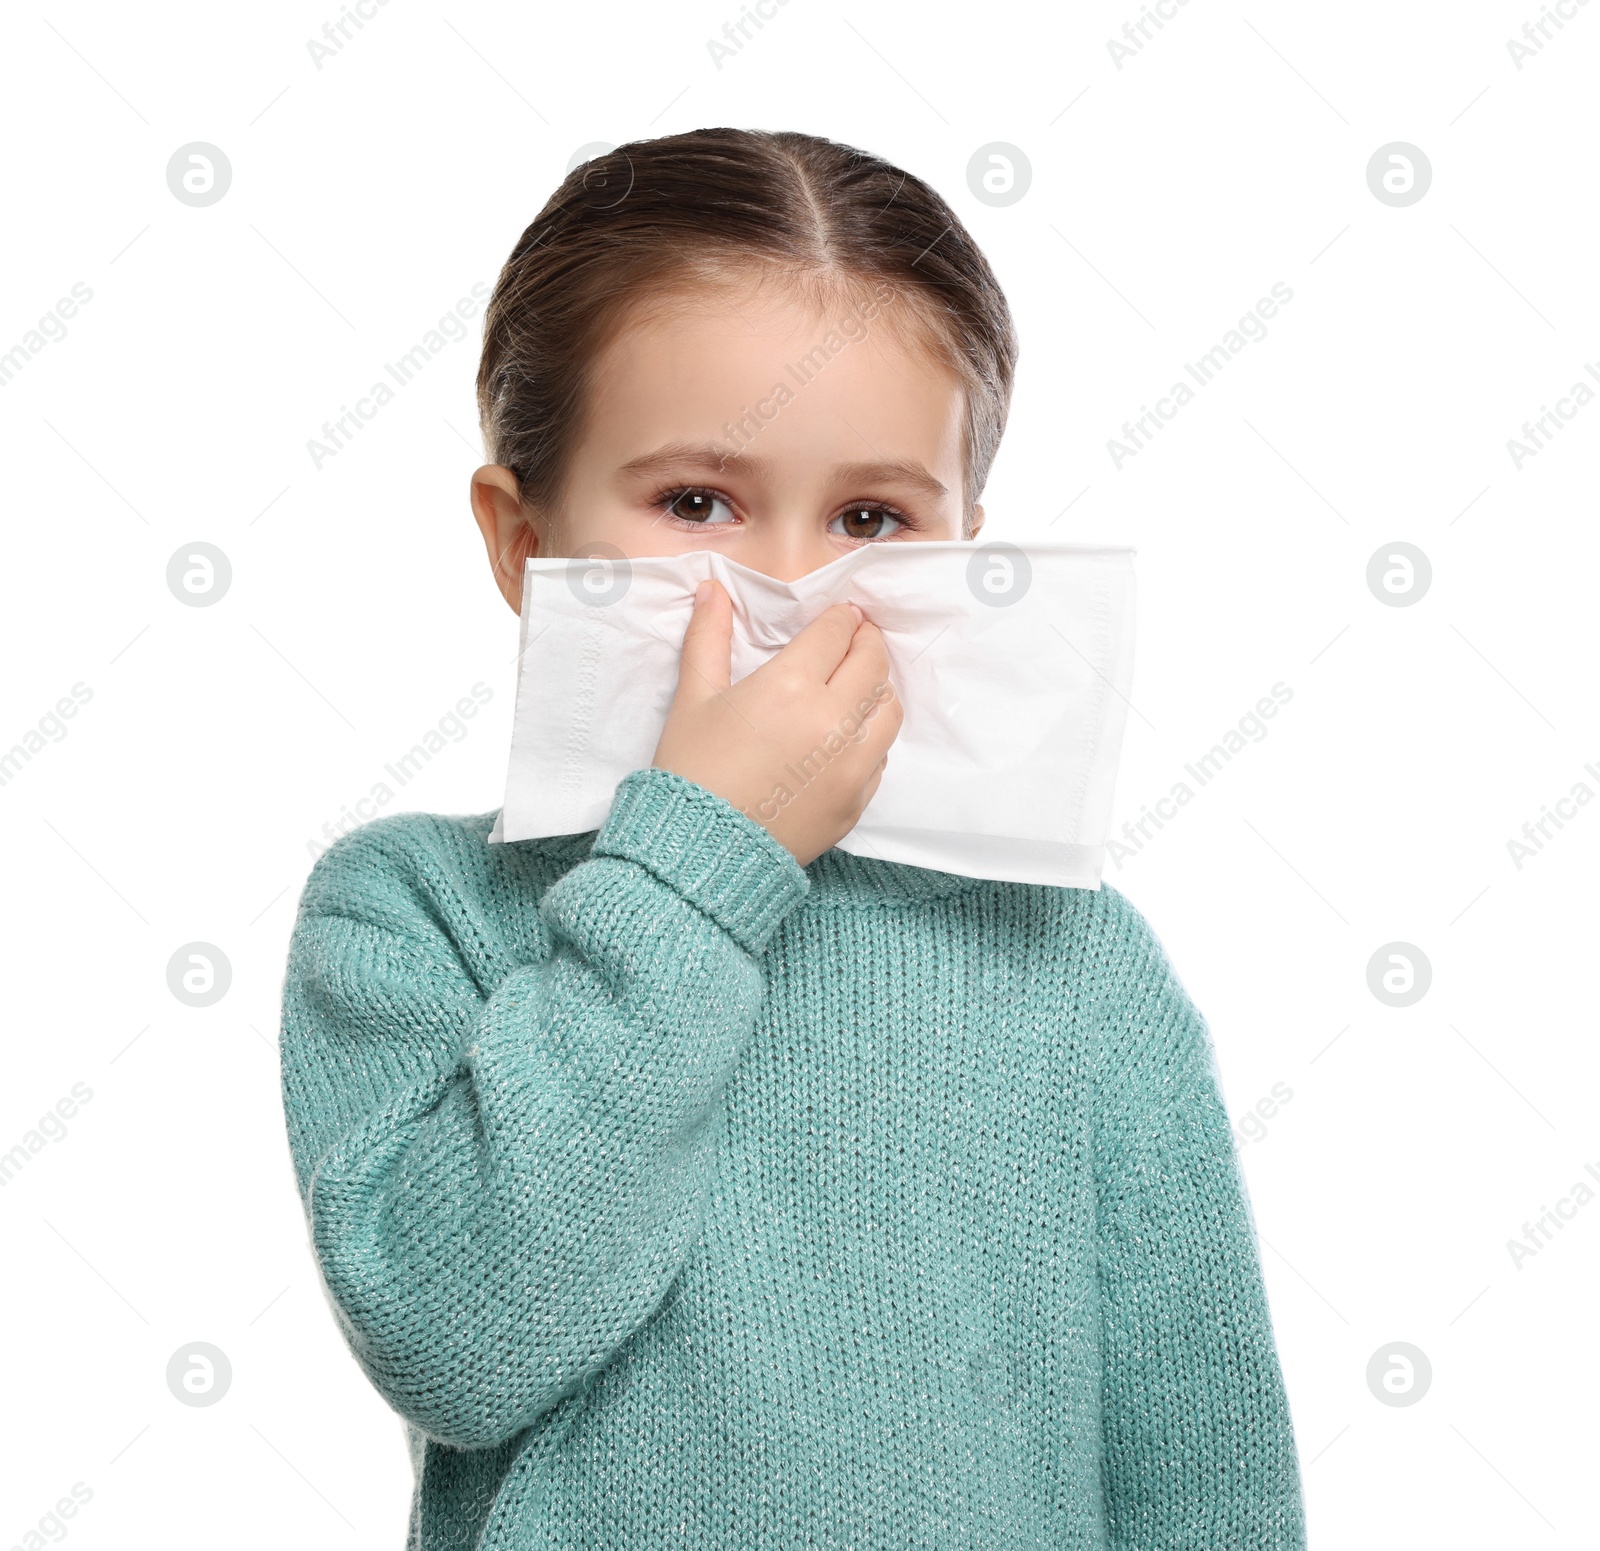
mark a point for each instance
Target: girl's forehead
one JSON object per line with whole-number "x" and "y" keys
{"x": 778, "y": 302}
{"x": 675, "y": 372}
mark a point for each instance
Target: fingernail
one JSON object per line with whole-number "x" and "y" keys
{"x": 702, "y": 592}
{"x": 855, "y": 608}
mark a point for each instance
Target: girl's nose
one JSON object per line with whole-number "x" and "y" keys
{"x": 785, "y": 554}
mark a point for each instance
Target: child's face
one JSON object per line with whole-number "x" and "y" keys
{"x": 781, "y": 437}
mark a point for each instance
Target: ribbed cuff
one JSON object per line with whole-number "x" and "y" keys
{"x": 701, "y": 845}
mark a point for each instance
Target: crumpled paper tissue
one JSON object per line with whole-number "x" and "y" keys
{"x": 1013, "y": 663}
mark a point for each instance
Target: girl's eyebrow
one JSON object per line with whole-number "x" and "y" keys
{"x": 709, "y": 456}
{"x": 701, "y": 455}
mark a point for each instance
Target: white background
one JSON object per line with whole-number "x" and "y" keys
{"x": 1167, "y": 196}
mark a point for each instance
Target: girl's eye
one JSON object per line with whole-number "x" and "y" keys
{"x": 866, "y": 522}
{"x": 696, "y": 507}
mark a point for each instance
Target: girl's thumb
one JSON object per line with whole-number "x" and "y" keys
{"x": 707, "y": 658}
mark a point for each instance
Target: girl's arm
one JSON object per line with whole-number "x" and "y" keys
{"x": 1199, "y": 1446}
{"x": 504, "y": 1152}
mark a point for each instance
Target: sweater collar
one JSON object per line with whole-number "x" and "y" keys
{"x": 842, "y": 873}
{"x": 835, "y": 875}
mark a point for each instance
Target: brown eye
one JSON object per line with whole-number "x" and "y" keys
{"x": 697, "y": 506}
{"x": 866, "y": 522}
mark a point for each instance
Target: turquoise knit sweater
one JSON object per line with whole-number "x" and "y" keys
{"x": 676, "y": 1195}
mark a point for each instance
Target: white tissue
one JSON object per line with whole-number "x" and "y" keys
{"x": 1013, "y": 664}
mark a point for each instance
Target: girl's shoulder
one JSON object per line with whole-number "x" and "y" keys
{"x": 1149, "y": 1035}
{"x": 400, "y": 869}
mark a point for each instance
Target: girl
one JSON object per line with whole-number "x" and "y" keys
{"x": 691, "y": 1181}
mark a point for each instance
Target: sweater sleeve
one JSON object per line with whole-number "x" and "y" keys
{"x": 502, "y": 1180}
{"x": 1199, "y": 1448}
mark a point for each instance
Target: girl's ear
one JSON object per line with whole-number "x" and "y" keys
{"x": 977, "y": 521}
{"x": 509, "y": 535}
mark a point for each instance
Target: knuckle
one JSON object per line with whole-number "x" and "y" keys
{"x": 786, "y": 680}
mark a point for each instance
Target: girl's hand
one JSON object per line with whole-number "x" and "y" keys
{"x": 800, "y": 744}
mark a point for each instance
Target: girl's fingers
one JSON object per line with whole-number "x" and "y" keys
{"x": 826, "y": 642}
{"x": 881, "y": 726}
{"x": 865, "y": 665}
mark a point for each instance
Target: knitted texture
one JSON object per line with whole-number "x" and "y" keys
{"x": 676, "y": 1195}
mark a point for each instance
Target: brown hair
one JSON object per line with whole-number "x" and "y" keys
{"x": 658, "y": 218}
